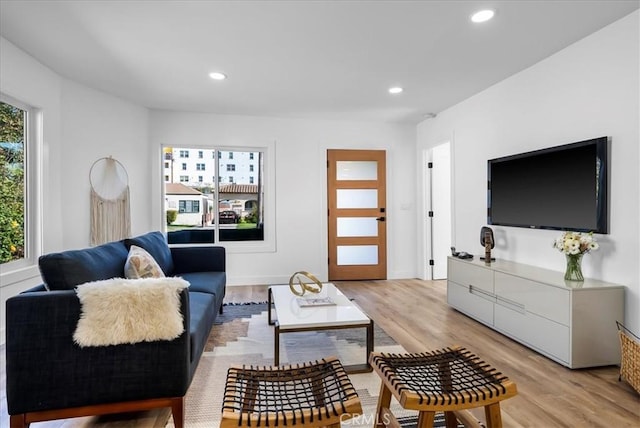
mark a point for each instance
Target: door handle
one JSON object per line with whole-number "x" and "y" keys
{"x": 381, "y": 218}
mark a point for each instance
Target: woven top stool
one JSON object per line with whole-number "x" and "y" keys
{"x": 449, "y": 380}
{"x": 313, "y": 394}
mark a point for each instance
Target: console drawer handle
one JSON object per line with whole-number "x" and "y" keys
{"x": 510, "y": 304}
{"x": 482, "y": 293}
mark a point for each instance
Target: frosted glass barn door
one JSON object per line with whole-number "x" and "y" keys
{"x": 356, "y": 189}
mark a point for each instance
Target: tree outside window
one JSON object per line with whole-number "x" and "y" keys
{"x": 12, "y": 183}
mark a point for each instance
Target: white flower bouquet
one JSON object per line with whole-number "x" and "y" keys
{"x": 573, "y": 243}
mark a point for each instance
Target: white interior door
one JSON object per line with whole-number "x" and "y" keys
{"x": 440, "y": 211}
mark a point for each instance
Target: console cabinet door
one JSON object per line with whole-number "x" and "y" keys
{"x": 475, "y": 303}
{"x": 465, "y": 274}
{"x": 534, "y": 297}
{"x": 545, "y": 336}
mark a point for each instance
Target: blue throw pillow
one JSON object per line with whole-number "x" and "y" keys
{"x": 66, "y": 270}
{"x": 156, "y": 245}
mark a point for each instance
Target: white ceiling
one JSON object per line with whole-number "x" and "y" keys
{"x": 306, "y": 59}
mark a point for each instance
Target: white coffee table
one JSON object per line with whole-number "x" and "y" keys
{"x": 291, "y": 317}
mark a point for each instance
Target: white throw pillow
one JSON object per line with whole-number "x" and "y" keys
{"x": 117, "y": 311}
{"x": 141, "y": 264}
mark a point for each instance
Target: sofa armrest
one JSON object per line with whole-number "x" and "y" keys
{"x": 46, "y": 370}
{"x": 198, "y": 259}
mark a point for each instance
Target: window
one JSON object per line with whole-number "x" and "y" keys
{"x": 184, "y": 153}
{"x": 166, "y": 178}
{"x": 187, "y": 207}
{"x": 184, "y": 166}
{"x": 166, "y": 164}
{"x": 12, "y": 183}
{"x": 200, "y": 154}
{"x": 199, "y": 207}
{"x": 20, "y": 134}
{"x": 250, "y": 168}
{"x": 167, "y": 155}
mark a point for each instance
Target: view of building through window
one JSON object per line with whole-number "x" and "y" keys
{"x": 12, "y": 183}
{"x": 201, "y": 202}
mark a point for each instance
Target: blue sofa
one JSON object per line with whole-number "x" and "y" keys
{"x": 51, "y": 377}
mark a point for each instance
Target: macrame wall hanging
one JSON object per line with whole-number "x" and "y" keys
{"x": 110, "y": 213}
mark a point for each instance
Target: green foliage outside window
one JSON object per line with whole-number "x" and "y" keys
{"x": 12, "y": 190}
{"x": 172, "y": 215}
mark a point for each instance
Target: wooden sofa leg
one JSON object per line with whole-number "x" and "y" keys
{"x": 18, "y": 421}
{"x": 177, "y": 410}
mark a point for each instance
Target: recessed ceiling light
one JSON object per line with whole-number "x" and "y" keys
{"x": 395, "y": 90}
{"x": 483, "y": 15}
{"x": 217, "y": 75}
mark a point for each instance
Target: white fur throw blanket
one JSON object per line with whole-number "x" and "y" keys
{"x": 117, "y": 311}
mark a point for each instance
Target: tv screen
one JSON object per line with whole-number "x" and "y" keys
{"x": 563, "y": 188}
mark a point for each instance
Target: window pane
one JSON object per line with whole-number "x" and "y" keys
{"x": 357, "y": 198}
{"x": 357, "y": 227}
{"x": 357, "y": 255}
{"x": 12, "y": 183}
{"x": 238, "y": 195}
{"x": 240, "y": 204}
{"x": 356, "y": 170}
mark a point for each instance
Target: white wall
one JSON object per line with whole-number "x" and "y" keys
{"x": 300, "y": 185}
{"x": 589, "y": 89}
{"x": 95, "y": 125}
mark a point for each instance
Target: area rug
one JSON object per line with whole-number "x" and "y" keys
{"x": 242, "y": 335}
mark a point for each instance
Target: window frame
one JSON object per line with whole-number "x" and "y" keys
{"x": 268, "y": 150}
{"x": 17, "y": 270}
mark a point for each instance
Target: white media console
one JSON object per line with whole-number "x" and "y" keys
{"x": 573, "y": 323}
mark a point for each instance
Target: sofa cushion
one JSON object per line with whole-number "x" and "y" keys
{"x": 206, "y": 282}
{"x": 201, "y": 317}
{"x": 66, "y": 270}
{"x": 141, "y": 264}
{"x": 156, "y": 244}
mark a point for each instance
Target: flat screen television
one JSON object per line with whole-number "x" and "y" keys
{"x": 562, "y": 188}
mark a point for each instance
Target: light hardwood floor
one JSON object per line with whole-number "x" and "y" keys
{"x": 416, "y": 315}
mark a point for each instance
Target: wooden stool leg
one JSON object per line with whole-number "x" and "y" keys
{"x": 493, "y": 416}
{"x": 426, "y": 419}
{"x": 384, "y": 402}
